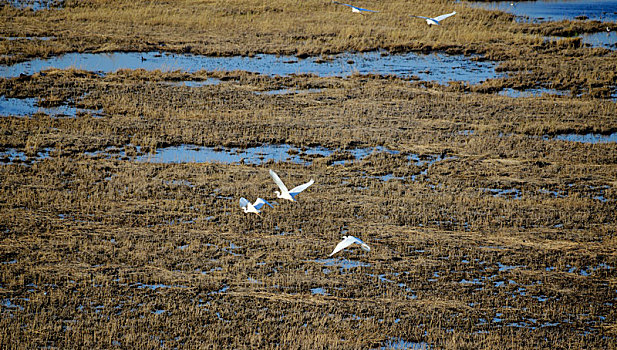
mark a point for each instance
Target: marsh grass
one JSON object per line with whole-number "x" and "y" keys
{"x": 106, "y": 251}
{"x": 315, "y": 28}
{"x": 498, "y": 237}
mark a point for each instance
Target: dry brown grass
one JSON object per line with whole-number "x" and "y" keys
{"x": 104, "y": 251}
{"x": 94, "y": 247}
{"x": 315, "y": 27}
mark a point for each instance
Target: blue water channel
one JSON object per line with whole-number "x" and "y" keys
{"x": 28, "y": 106}
{"x": 552, "y": 10}
{"x": 603, "y": 39}
{"x": 433, "y": 67}
{"x": 34, "y": 5}
{"x": 607, "y": 40}
{"x": 251, "y": 155}
{"x": 586, "y": 138}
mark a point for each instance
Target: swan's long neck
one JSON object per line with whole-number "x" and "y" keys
{"x": 285, "y": 195}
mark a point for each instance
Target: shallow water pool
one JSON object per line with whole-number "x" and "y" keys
{"x": 251, "y": 155}
{"x": 434, "y": 67}
{"x": 555, "y": 10}
{"x": 586, "y": 138}
{"x": 28, "y": 107}
{"x": 607, "y": 40}
{"x": 532, "y": 92}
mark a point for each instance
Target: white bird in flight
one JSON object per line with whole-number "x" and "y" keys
{"x": 347, "y": 241}
{"x": 436, "y": 20}
{"x": 253, "y": 208}
{"x": 285, "y": 193}
{"x": 355, "y": 9}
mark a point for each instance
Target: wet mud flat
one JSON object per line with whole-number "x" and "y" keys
{"x": 486, "y": 226}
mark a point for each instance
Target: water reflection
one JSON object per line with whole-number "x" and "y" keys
{"x": 551, "y": 10}
{"x": 35, "y": 5}
{"x": 586, "y": 138}
{"x": 343, "y": 264}
{"x": 603, "y": 39}
{"x": 12, "y": 156}
{"x": 288, "y": 92}
{"x": 435, "y": 67}
{"x": 320, "y": 291}
{"x": 531, "y": 92}
{"x": 607, "y": 40}
{"x": 251, "y": 155}
{"x": 28, "y": 106}
{"x": 193, "y": 83}
{"x": 43, "y": 38}
{"x": 400, "y": 343}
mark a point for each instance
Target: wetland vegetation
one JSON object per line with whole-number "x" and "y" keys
{"x": 491, "y": 218}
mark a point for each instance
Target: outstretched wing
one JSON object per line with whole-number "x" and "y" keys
{"x": 340, "y": 3}
{"x": 442, "y": 17}
{"x": 353, "y": 7}
{"x": 243, "y": 202}
{"x": 419, "y": 17}
{"x": 363, "y": 245}
{"x": 356, "y": 240}
{"x": 278, "y": 181}
{"x": 294, "y": 191}
{"x": 343, "y": 244}
{"x": 361, "y": 9}
{"x": 260, "y": 203}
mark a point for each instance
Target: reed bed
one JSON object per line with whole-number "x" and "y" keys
{"x": 501, "y": 237}
{"x": 485, "y": 231}
{"x": 315, "y": 28}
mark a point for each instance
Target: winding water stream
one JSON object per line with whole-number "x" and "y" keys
{"x": 435, "y": 67}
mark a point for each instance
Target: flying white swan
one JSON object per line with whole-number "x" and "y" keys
{"x": 347, "y": 241}
{"x": 253, "y": 208}
{"x": 436, "y": 20}
{"x": 354, "y": 9}
{"x": 285, "y": 193}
